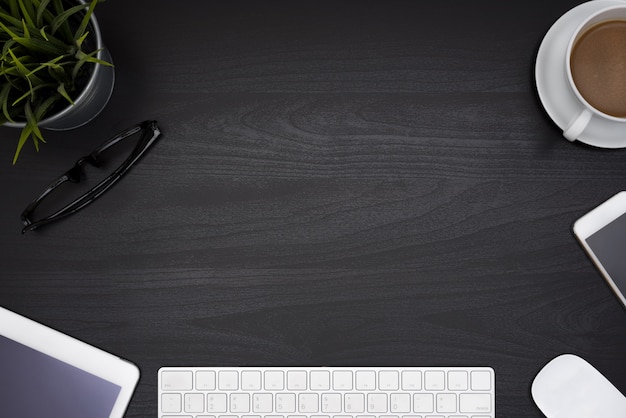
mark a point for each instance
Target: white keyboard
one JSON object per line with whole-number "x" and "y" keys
{"x": 326, "y": 392}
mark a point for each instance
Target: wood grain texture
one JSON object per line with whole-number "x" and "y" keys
{"x": 362, "y": 183}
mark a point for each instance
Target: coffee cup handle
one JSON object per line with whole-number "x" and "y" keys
{"x": 577, "y": 125}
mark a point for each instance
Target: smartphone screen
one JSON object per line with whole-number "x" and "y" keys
{"x": 609, "y": 246}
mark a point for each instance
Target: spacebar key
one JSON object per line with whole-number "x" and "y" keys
{"x": 475, "y": 402}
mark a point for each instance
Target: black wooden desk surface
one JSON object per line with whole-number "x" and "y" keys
{"x": 338, "y": 183}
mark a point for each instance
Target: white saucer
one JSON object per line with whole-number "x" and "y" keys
{"x": 554, "y": 91}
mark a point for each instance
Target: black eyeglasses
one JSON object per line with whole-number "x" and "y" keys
{"x": 113, "y": 153}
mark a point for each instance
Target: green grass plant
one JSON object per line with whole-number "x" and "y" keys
{"x": 43, "y": 63}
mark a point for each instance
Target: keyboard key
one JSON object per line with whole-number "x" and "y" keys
{"x": 286, "y": 402}
{"x": 274, "y": 380}
{"x": 342, "y": 380}
{"x": 376, "y": 402}
{"x": 205, "y": 380}
{"x": 354, "y": 403}
{"x": 446, "y": 402}
{"x": 171, "y": 402}
{"x": 400, "y": 402}
{"x": 216, "y": 402}
{"x": 481, "y": 380}
{"x": 251, "y": 380}
{"x": 331, "y": 402}
{"x": 240, "y": 402}
{"x": 423, "y": 402}
{"x": 176, "y": 380}
{"x": 296, "y": 380}
{"x": 475, "y": 402}
{"x": 228, "y": 380}
{"x": 320, "y": 380}
{"x": 434, "y": 380}
{"x": 308, "y": 403}
{"x": 262, "y": 403}
{"x": 457, "y": 380}
{"x": 388, "y": 380}
{"x": 194, "y": 402}
{"x": 365, "y": 380}
{"x": 411, "y": 380}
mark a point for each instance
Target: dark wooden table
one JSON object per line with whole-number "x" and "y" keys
{"x": 338, "y": 183}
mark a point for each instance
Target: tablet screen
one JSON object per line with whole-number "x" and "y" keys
{"x": 35, "y": 385}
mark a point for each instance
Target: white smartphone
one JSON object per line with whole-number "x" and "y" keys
{"x": 602, "y": 233}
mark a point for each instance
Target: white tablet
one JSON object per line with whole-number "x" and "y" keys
{"x": 44, "y": 373}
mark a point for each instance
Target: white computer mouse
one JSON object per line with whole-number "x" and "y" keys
{"x": 569, "y": 387}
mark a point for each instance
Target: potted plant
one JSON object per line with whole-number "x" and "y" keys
{"x": 55, "y": 72}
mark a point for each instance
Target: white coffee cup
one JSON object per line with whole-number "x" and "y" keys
{"x": 587, "y": 112}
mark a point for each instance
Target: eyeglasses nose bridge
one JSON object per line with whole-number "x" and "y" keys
{"x": 74, "y": 173}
